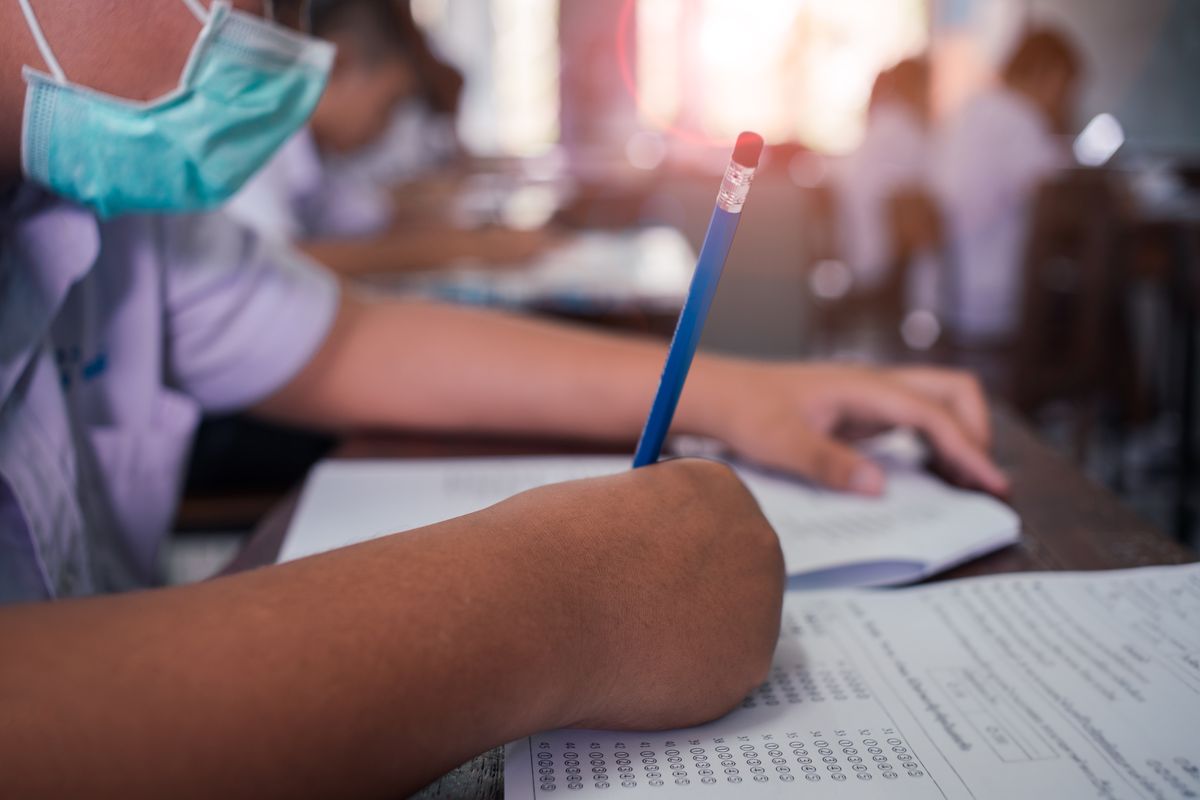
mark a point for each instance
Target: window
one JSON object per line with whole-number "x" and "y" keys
{"x": 791, "y": 69}
{"x": 508, "y": 53}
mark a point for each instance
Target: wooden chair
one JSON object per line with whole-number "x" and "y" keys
{"x": 915, "y": 224}
{"x": 1072, "y": 345}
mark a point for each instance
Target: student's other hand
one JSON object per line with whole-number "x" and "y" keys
{"x": 798, "y": 418}
{"x": 665, "y": 587}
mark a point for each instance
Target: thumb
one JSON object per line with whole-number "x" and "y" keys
{"x": 839, "y": 467}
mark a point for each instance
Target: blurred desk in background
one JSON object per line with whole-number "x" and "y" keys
{"x": 592, "y": 274}
{"x": 1068, "y": 522}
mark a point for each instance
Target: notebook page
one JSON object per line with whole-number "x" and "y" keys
{"x": 1032, "y": 686}
{"x": 920, "y": 524}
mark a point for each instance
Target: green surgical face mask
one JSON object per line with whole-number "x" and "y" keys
{"x": 249, "y": 84}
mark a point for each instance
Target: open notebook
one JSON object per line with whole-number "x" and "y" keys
{"x": 920, "y": 527}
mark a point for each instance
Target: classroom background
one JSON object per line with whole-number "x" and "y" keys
{"x": 594, "y": 132}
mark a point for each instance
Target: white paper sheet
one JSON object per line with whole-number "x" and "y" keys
{"x": 829, "y": 539}
{"x": 1015, "y": 688}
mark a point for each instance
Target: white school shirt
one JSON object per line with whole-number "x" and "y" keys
{"x": 417, "y": 141}
{"x": 114, "y": 337}
{"x": 894, "y": 155}
{"x": 989, "y": 163}
{"x": 296, "y": 196}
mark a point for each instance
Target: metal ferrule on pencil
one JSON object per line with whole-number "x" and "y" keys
{"x": 735, "y": 187}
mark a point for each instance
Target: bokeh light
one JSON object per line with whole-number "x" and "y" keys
{"x": 794, "y": 70}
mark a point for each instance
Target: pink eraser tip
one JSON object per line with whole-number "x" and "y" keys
{"x": 748, "y": 149}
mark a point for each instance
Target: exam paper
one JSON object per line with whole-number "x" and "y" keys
{"x": 919, "y": 527}
{"x": 1067, "y": 685}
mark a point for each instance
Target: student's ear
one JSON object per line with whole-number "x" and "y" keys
{"x": 339, "y": 66}
{"x": 406, "y": 81}
{"x": 258, "y": 8}
{"x": 290, "y": 13}
{"x": 348, "y": 58}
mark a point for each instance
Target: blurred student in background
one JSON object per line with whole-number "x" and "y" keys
{"x": 338, "y": 215}
{"x": 893, "y": 157}
{"x": 990, "y": 161}
{"x": 420, "y": 144}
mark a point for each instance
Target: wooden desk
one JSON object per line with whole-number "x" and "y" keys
{"x": 1069, "y": 523}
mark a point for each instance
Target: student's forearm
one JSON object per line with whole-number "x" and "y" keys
{"x": 410, "y": 251}
{"x": 419, "y": 365}
{"x": 414, "y": 364}
{"x": 427, "y": 248}
{"x": 362, "y": 673}
{"x": 369, "y": 671}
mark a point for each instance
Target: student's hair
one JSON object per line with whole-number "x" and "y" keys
{"x": 906, "y": 81}
{"x": 374, "y": 25}
{"x": 1039, "y": 50}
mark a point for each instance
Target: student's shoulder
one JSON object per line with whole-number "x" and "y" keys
{"x": 1001, "y": 110}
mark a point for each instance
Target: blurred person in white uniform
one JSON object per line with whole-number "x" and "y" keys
{"x": 990, "y": 161}
{"x": 893, "y": 156}
{"x": 309, "y": 195}
{"x": 124, "y": 314}
{"x": 421, "y": 141}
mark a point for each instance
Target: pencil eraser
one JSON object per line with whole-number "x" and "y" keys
{"x": 748, "y": 149}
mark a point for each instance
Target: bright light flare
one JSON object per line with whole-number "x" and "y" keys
{"x": 1099, "y": 141}
{"x": 791, "y": 69}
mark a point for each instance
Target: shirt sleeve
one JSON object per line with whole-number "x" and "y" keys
{"x": 348, "y": 206}
{"x": 267, "y": 203}
{"x": 244, "y": 315}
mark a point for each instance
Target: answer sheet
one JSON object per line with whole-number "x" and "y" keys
{"x": 1067, "y": 685}
{"x": 919, "y": 527}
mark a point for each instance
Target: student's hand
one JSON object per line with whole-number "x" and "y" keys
{"x": 666, "y": 585}
{"x": 796, "y": 418}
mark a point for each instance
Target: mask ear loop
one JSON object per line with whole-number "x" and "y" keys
{"x": 202, "y": 14}
{"x": 197, "y": 8}
{"x": 40, "y": 39}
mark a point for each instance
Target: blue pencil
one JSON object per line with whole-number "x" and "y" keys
{"x": 711, "y": 263}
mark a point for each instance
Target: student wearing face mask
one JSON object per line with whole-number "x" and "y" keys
{"x": 125, "y": 315}
{"x": 344, "y": 219}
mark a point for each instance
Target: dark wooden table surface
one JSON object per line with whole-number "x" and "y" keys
{"x": 1068, "y": 523}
